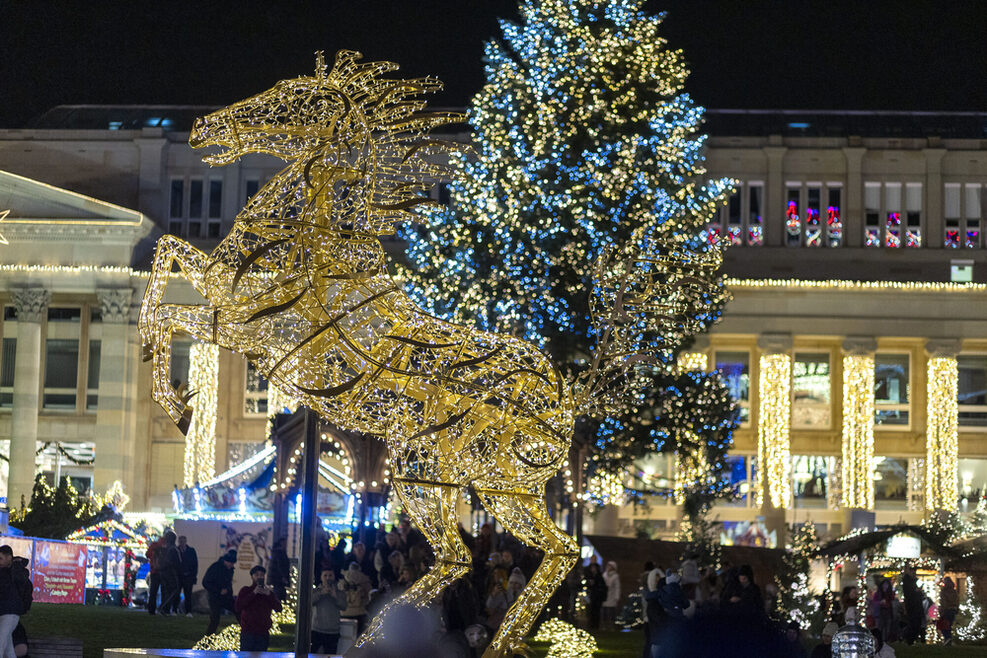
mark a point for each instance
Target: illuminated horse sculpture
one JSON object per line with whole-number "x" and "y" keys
{"x": 300, "y": 287}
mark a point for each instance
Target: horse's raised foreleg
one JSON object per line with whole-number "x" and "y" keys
{"x": 433, "y": 509}
{"x": 191, "y": 262}
{"x": 524, "y": 515}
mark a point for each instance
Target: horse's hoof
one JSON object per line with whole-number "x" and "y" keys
{"x": 185, "y": 421}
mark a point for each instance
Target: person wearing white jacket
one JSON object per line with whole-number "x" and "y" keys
{"x": 612, "y": 579}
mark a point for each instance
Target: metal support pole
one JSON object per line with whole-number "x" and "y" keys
{"x": 309, "y": 519}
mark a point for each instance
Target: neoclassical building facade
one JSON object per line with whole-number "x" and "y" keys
{"x": 855, "y": 342}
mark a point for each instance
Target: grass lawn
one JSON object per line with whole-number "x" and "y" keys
{"x": 100, "y": 627}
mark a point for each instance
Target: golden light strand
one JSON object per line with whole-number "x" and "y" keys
{"x": 941, "y": 441}
{"x": 858, "y": 432}
{"x": 200, "y": 443}
{"x": 688, "y": 361}
{"x": 774, "y": 421}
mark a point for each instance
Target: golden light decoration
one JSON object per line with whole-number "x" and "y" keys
{"x": 774, "y": 422}
{"x": 3, "y": 216}
{"x": 691, "y": 467}
{"x": 300, "y": 286}
{"x": 566, "y": 641}
{"x": 605, "y": 489}
{"x": 116, "y": 497}
{"x": 688, "y": 361}
{"x": 203, "y": 385}
{"x": 941, "y": 440}
{"x": 858, "y": 432}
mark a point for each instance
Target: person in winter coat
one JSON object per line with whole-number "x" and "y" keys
{"x": 218, "y": 583}
{"x": 15, "y": 597}
{"x": 656, "y": 617}
{"x": 357, "y": 587}
{"x": 612, "y": 580}
{"x": 169, "y": 570}
{"x": 881, "y": 648}
{"x": 254, "y": 606}
{"x": 154, "y": 555}
{"x": 914, "y": 605}
{"x": 327, "y": 602}
{"x": 497, "y": 604}
{"x": 279, "y": 570}
{"x": 949, "y": 605}
{"x": 189, "y": 569}
{"x": 825, "y": 648}
{"x": 515, "y": 583}
{"x": 742, "y": 597}
{"x": 596, "y": 587}
{"x": 882, "y": 605}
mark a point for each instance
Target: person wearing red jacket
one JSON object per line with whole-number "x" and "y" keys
{"x": 254, "y": 605}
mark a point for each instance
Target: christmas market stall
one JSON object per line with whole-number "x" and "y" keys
{"x": 115, "y": 551}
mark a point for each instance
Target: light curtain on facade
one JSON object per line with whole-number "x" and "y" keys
{"x": 200, "y": 442}
{"x": 858, "y": 432}
{"x": 941, "y": 442}
{"x": 773, "y": 441}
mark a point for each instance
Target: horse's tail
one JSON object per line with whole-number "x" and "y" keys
{"x": 650, "y": 295}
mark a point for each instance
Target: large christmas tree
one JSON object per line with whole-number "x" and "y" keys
{"x": 584, "y": 139}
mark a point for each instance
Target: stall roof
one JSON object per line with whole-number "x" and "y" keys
{"x": 867, "y": 540}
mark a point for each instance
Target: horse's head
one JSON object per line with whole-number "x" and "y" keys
{"x": 288, "y": 120}
{"x": 363, "y": 138}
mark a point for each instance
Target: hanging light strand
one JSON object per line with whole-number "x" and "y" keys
{"x": 858, "y": 432}
{"x": 941, "y": 442}
{"x": 773, "y": 442}
{"x": 200, "y": 442}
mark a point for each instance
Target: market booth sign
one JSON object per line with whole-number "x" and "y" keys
{"x": 58, "y": 569}
{"x": 904, "y": 546}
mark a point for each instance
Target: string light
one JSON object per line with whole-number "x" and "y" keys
{"x": 970, "y": 609}
{"x": 773, "y": 444}
{"x": 566, "y": 641}
{"x": 858, "y": 432}
{"x": 848, "y": 285}
{"x": 692, "y": 361}
{"x": 200, "y": 442}
{"x": 796, "y": 602}
{"x": 941, "y": 440}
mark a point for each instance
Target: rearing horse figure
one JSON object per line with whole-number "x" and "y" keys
{"x": 300, "y": 287}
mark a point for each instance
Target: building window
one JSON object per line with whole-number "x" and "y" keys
{"x": 740, "y": 221}
{"x": 892, "y": 215}
{"x": 177, "y": 204}
{"x": 972, "y": 481}
{"x": 890, "y": 483}
{"x": 92, "y": 376}
{"x": 250, "y": 187}
{"x": 8, "y": 358}
{"x": 737, "y": 476}
{"x": 810, "y": 477}
{"x": 193, "y": 201}
{"x": 807, "y": 227}
{"x": 734, "y": 368}
{"x": 891, "y": 387}
{"x": 810, "y": 390}
{"x": 61, "y": 373}
{"x": 215, "y": 208}
{"x": 255, "y": 392}
{"x": 971, "y": 395}
{"x": 971, "y": 214}
{"x": 180, "y": 362}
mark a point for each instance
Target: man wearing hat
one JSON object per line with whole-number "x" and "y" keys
{"x": 218, "y": 583}
{"x": 254, "y": 605}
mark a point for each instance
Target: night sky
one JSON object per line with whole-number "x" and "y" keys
{"x": 906, "y": 55}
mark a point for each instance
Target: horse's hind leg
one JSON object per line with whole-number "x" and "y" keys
{"x": 433, "y": 508}
{"x": 191, "y": 262}
{"x": 525, "y": 516}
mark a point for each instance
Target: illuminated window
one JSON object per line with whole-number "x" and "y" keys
{"x": 913, "y": 215}
{"x": 972, "y": 480}
{"x": 738, "y": 478}
{"x": 734, "y": 367}
{"x": 810, "y": 390}
{"x": 971, "y": 213}
{"x": 971, "y": 395}
{"x": 810, "y": 479}
{"x": 834, "y": 222}
{"x": 872, "y": 214}
{"x": 793, "y": 219}
{"x": 180, "y": 362}
{"x": 255, "y": 392}
{"x": 890, "y": 482}
{"x": 740, "y": 221}
{"x": 891, "y": 387}
{"x": 892, "y": 226}
{"x": 951, "y": 198}
{"x": 818, "y": 225}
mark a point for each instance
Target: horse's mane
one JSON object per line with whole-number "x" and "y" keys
{"x": 385, "y": 113}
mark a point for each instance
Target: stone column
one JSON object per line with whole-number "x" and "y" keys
{"x": 31, "y": 305}
{"x": 853, "y": 203}
{"x": 115, "y": 407}
{"x": 774, "y": 415}
{"x": 774, "y": 213}
{"x": 857, "y": 491}
{"x": 942, "y": 423}
{"x": 935, "y": 224}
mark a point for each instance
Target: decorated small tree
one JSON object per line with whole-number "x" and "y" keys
{"x": 54, "y": 512}
{"x": 796, "y": 601}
